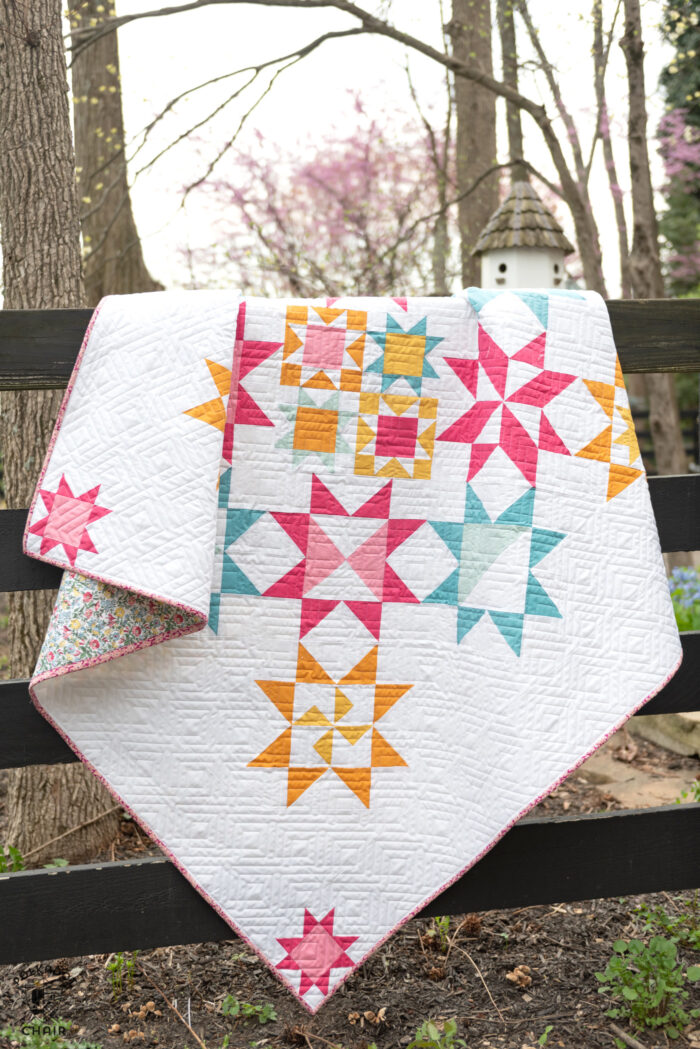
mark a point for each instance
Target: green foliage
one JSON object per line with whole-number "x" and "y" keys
{"x": 11, "y": 859}
{"x": 122, "y": 969}
{"x": 44, "y": 1034}
{"x": 682, "y": 928}
{"x": 693, "y": 792}
{"x": 544, "y": 1037}
{"x": 649, "y": 985}
{"x": 442, "y": 927}
{"x": 55, "y": 864}
{"x": 430, "y": 1036}
{"x": 684, "y": 584}
{"x": 231, "y": 1006}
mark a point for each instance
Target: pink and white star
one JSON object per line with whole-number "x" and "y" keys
{"x": 68, "y": 519}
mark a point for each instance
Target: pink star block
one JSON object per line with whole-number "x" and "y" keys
{"x": 68, "y": 519}
{"x": 533, "y": 391}
{"x": 316, "y": 952}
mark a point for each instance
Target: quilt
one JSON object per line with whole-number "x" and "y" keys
{"x": 350, "y": 585}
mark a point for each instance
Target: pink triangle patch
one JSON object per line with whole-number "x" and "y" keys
{"x": 369, "y": 613}
{"x": 313, "y": 612}
{"x": 378, "y": 505}
{"x": 533, "y": 353}
{"x": 295, "y": 525}
{"x": 403, "y": 303}
{"x": 323, "y": 501}
{"x": 290, "y": 585}
{"x": 399, "y": 531}
{"x": 549, "y": 439}
{"x": 395, "y": 589}
{"x": 322, "y": 557}
{"x": 368, "y": 560}
{"x": 249, "y": 413}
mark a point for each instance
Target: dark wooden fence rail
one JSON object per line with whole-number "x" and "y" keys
{"x": 96, "y": 908}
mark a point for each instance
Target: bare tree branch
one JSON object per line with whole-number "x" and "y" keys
{"x": 586, "y": 230}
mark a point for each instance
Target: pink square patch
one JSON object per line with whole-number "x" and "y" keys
{"x": 324, "y": 347}
{"x": 396, "y": 436}
{"x": 68, "y": 519}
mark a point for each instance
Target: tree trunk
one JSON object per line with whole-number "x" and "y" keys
{"x": 41, "y": 269}
{"x": 470, "y": 32}
{"x": 644, "y": 263}
{"x": 114, "y": 263}
{"x": 509, "y": 54}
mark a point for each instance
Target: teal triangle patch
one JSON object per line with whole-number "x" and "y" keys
{"x": 234, "y": 581}
{"x": 510, "y": 625}
{"x": 214, "y": 609}
{"x": 520, "y": 512}
{"x": 543, "y": 542}
{"x": 478, "y": 297}
{"x": 224, "y": 488}
{"x": 538, "y": 302}
{"x": 466, "y": 619}
{"x": 474, "y": 512}
{"x": 451, "y": 535}
{"x": 238, "y": 522}
{"x": 537, "y": 600}
{"x": 446, "y": 593}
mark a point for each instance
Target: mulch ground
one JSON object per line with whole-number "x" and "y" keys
{"x": 411, "y": 979}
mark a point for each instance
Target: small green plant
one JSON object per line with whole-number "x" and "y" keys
{"x": 231, "y": 1006}
{"x": 55, "y": 864}
{"x": 122, "y": 968}
{"x": 11, "y": 859}
{"x": 44, "y": 1034}
{"x": 544, "y": 1037}
{"x": 442, "y": 928}
{"x": 682, "y": 928}
{"x": 692, "y": 792}
{"x": 430, "y": 1036}
{"x": 649, "y": 985}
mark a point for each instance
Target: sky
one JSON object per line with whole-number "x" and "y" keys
{"x": 161, "y": 57}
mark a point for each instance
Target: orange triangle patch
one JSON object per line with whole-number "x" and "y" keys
{"x": 365, "y": 435}
{"x": 619, "y": 478}
{"x": 599, "y": 447}
{"x": 320, "y": 381}
{"x": 352, "y": 733}
{"x": 221, "y": 376}
{"x": 385, "y": 696}
{"x": 619, "y": 378}
{"x": 281, "y": 693}
{"x": 393, "y": 469}
{"x": 299, "y": 780}
{"x": 292, "y": 342}
{"x": 313, "y": 716}
{"x": 383, "y": 754}
{"x": 309, "y": 670}
{"x": 327, "y": 314}
{"x": 324, "y": 746}
{"x": 342, "y": 705}
{"x": 211, "y": 412}
{"x": 356, "y": 350}
{"x": 364, "y": 672}
{"x": 358, "y": 780}
{"x": 277, "y": 755}
{"x": 604, "y": 394}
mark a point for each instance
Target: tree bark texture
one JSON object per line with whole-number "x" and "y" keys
{"x": 41, "y": 269}
{"x": 644, "y": 263}
{"x": 113, "y": 261}
{"x": 470, "y": 33}
{"x": 509, "y": 53}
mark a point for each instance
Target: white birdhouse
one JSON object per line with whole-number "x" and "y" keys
{"x": 522, "y": 245}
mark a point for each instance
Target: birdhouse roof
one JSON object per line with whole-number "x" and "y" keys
{"x": 522, "y": 221}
